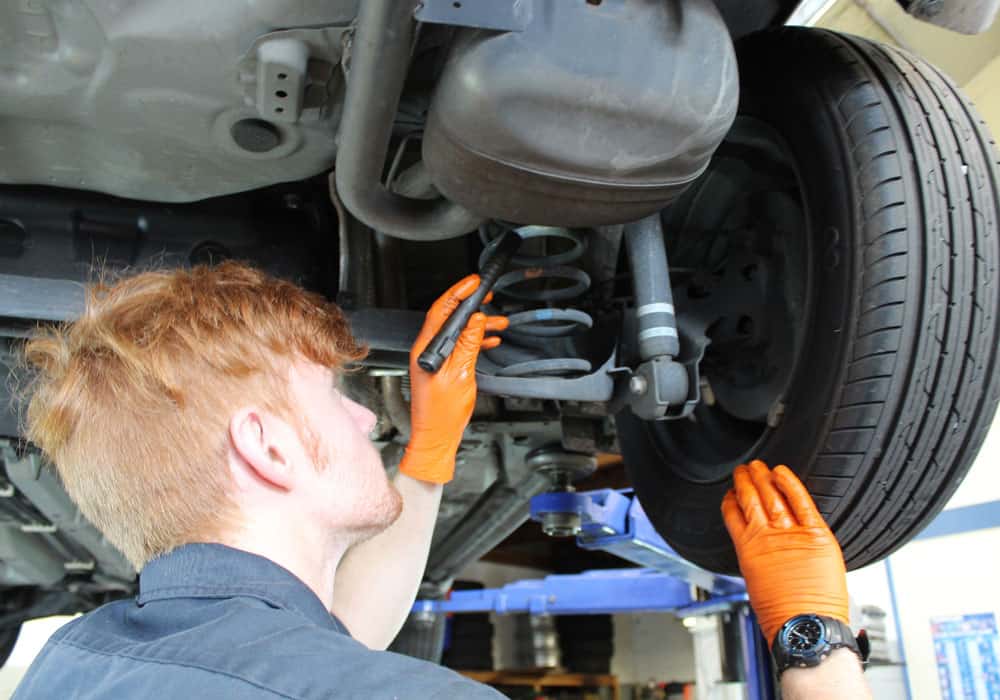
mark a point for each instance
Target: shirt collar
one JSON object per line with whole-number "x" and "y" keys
{"x": 217, "y": 571}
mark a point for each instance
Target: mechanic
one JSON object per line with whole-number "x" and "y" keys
{"x": 195, "y": 417}
{"x": 795, "y": 575}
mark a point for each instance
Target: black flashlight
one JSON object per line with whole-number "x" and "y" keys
{"x": 498, "y": 255}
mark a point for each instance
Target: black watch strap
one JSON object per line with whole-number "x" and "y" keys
{"x": 837, "y": 635}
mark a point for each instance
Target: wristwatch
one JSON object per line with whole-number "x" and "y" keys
{"x": 806, "y": 640}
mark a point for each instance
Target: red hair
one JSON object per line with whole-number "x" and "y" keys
{"x": 132, "y": 401}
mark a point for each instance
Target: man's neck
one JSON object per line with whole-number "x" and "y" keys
{"x": 311, "y": 555}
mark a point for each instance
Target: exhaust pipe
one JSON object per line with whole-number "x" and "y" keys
{"x": 379, "y": 58}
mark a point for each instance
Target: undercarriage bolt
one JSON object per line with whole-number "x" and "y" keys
{"x": 638, "y": 385}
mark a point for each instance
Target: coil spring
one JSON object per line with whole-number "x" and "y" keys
{"x": 539, "y": 341}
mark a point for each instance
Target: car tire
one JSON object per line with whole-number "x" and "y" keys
{"x": 894, "y": 380}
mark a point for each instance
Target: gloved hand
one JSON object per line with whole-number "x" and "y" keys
{"x": 790, "y": 559}
{"x": 441, "y": 404}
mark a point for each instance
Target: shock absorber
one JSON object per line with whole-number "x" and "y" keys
{"x": 539, "y": 341}
{"x": 658, "y": 382}
{"x": 653, "y": 297}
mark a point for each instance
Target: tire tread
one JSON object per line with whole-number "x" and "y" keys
{"x": 916, "y": 460}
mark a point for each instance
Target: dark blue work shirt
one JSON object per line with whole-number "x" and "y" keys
{"x": 215, "y": 622}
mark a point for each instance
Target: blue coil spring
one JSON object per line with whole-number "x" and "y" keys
{"x": 539, "y": 341}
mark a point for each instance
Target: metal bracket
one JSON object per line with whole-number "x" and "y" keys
{"x": 634, "y": 385}
{"x": 656, "y": 386}
{"x": 502, "y": 15}
{"x": 616, "y": 523}
{"x": 286, "y": 74}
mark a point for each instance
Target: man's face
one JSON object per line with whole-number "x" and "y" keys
{"x": 351, "y": 492}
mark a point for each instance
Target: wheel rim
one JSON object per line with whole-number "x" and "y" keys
{"x": 739, "y": 250}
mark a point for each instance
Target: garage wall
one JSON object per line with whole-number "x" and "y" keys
{"x": 946, "y": 576}
{"x": 652, "y": 647}
{"x": 983, "y": 91}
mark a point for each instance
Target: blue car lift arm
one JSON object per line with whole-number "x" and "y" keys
{"x": 615, "y": 522}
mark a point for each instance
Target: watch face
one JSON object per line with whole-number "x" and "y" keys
{"x": 804, "y": 635}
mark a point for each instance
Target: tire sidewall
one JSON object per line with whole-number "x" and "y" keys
{"x": 776, "y": 92}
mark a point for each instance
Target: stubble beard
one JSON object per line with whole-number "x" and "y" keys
{"x": 380, "y": 513}
{"x": 391, "y": 507}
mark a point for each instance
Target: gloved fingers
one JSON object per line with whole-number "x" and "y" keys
{"x": 445, "y": 304}
{"x": 442, "y": 308}
{"x": 778, "y": 512}
{"x": 798, "y": 498}
{"x": 747, "y": 498}
{"x": 733, "y": 516}
{"x": 495, "y": 324}
{"x": 488, "y": 298}
{"x": 467, "y": 347}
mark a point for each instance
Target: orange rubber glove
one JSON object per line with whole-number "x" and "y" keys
{"x": 790, "y": 559}
{"x": 442, "y": 403}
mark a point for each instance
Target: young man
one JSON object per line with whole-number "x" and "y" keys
{"x": 195, "y": 418}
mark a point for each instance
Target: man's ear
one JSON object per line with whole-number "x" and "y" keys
{"x": 256, "y": 437}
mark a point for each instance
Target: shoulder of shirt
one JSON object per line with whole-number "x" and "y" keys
{"x": 271, "y": 636}
{"x": 82, "y": 620}
{"x": 67, "y": 629}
